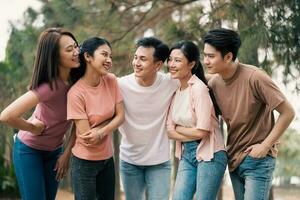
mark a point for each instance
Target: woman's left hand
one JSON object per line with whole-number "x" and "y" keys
{"x": 62, "y": 166}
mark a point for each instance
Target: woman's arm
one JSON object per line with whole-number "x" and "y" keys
{"x": 62, "y": 164}
{"x": 172, "y": 134}
{"x": 12, "y": 115}
{"x": 92, "y": 136}
{"x": 192, "y": 132}
{"x": 117, "y": 120}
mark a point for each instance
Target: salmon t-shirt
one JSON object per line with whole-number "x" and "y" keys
{"x": 96, "y": 104}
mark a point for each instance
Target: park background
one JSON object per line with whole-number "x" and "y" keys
{"x": 269, "y": 29}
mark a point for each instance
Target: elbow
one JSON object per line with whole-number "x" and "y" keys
{"x": 170, "y": 135}
{"x": 292, "y": 114}
{"x": 5, "y": 117}
{"x": 202, "y": 134}
{"x": 122, "y": 117}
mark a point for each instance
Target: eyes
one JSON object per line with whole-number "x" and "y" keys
{"x": 71, "y": 48}
{"x": 142, "y": 58}
{"x": 106, "y": 54}
{"x": 209, "y": 56}
{"x": 176, "y": 60}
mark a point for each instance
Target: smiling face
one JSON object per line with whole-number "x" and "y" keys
{"x": 68, "y": 52}
{"x": 101, "y": 61}
{"x": 213, "y": 60}
{"x": 179, "y": 66}
{"x": 144, "y": 64}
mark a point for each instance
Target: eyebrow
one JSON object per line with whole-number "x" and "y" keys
{"x": 104, "y": 51}
{"x": 70, "y": 45}
{"x": 208, "y": 53}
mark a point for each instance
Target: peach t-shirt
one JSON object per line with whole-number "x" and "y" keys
{"x": 96, "y": 104}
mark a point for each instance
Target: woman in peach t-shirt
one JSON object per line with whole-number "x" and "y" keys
{"x": 95, "y": 104}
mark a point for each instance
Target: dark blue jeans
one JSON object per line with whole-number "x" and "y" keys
{"x": 35, "y": 171}
{"x": 93, "y": 179}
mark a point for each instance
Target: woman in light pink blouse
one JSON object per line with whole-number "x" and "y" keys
{"x": 193, "y": 123}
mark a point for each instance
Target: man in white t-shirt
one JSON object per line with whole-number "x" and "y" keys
{"x": 144, "y": 150}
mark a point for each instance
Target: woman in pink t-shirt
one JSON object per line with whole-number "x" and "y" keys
{"x": 37, "y": 150}
{"x": 95, "y": 104}
{"x": 192, "y": 122}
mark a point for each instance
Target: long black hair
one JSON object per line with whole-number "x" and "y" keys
{"x": 191, "y": 51}
{"x": 89, "y": 46}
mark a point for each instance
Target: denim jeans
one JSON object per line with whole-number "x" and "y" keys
{"x": 154, "y": 180}
{"x": 35, "y": 171}
{"x": 201, "y": 177}
{"x": 93, "y": 179}
{"x": 252, "y": 179}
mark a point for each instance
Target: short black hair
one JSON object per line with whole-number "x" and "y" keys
{"x": 161, "y": 50}
{"x": 224, "y": 40}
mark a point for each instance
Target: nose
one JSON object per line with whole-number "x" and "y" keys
{"x": 109, "y": 59}
{"x": 76, "y": 51}
{"x": 136, "y": 62}
{"x": 171, "y": 64}
{"x": 206, "y": 60}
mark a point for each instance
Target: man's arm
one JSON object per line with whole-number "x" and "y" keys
{"x": 286, "y": 115}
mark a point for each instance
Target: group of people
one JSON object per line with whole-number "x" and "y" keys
{"x": 73, "y": 91}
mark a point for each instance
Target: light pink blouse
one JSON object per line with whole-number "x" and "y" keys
{"x": 203, "y": 113}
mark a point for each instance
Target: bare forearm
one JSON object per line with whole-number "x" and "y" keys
{"x": 21, "y": 124}
{"x": 179, "y": 137}
{"x": 116, "y": 121}
{"x": 70, "y": 141}
{"x": 282, "y": 123}
{"x": 192, "y": 132}
{"x": 113, "y": 124}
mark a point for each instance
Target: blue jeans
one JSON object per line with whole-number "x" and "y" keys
{"x": 155, "y": 179}
{"x": 35, "y": 171}
{"x": 93, "y": 179}
{"x": 252, "y": 179}
{"x": 201, "y": 177}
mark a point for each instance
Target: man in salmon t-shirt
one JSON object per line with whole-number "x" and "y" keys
{"x": 144, "y": 150}
{"x": 247, "y": 97}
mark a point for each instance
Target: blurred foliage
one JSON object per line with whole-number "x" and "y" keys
{"x": 269, "y": 31}
{"x": 288, "y": 161}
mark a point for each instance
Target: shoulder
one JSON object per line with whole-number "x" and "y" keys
{"x": 125, "y": 78}
{"x": 198, "y": 85}
{"x": 255, "y": 74}
{"x": 110, "y": 77}
{"x": 167, "y": 79}
{"x": 77, "y": 89}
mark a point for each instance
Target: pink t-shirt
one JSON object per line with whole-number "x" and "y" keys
{"x": 96, "y": 104}
{"x": 51, "y": 110}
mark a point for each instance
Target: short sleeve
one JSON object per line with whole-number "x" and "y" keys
{"x": 44, "y": 92}
{"x": 203, "y": 107}
{"x": 76, "y": 105}
{"x": 265, "y": 89}
{"x": 118, "y": 95}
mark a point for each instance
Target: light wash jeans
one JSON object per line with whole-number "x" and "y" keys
{"x": 252, "y": 179}
{"x": 35, "y": 171}
{"x": 203, "y": 178}
{"x": 93, "y": 180}
{"x": 155, "y": 179}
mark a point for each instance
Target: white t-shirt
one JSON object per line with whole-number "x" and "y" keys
{"x": 181, "y": 112}
{"x": 144, "y": 135}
